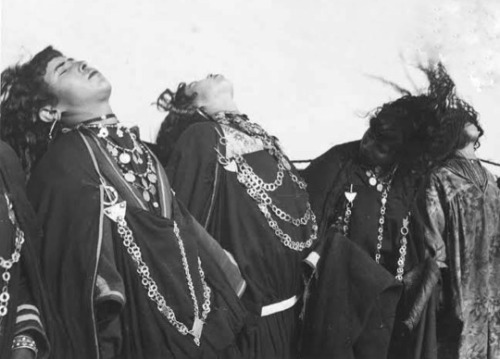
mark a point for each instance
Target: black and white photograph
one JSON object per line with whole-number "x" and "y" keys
{"x": 267, "y": 179}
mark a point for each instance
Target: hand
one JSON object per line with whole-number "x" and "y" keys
{"x": 23, "y": 354}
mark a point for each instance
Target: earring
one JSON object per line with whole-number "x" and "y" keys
{"x": 52, "y": 129}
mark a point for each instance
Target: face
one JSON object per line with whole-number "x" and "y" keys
{"x": 379, "y": 147}
{"x": 471, "y": 132}
{"x": 75, "y": 84}
{"x": 210, "y": 89}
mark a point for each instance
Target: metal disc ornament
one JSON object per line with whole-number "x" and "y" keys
{"x": 146, "y": 196}
{"x": 129, "y": 177}
{"x": 380, "y": 187}
{"x": 124, "y": 158}
{"x": 152, "y": 178}
{"x": 372, "y": 181}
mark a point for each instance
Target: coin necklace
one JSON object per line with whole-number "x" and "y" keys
{"x": 146, "y": 181}
{"x": 386, "y": 187}
{"x": 7, "y": 264}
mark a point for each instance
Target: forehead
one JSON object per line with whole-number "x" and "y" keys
{"x": 52, "y": 64}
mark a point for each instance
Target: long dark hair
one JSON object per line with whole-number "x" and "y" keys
{"x": 23, "y": 93}
{"x": 181, "y": 113}
{"x": 432, "y": 123}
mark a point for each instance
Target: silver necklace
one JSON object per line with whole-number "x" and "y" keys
{"x": 350, "y": 196}
{"x": 258, "y": 190}
{"x": 116, "y": 212}
{"x": 145, "y": 181}
{"x": 7, "y": 264}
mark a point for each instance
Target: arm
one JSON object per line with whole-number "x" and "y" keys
{"x": 193, "y": 169}
{"x": 435, "y": 221}
{"x": 211, "y": 248}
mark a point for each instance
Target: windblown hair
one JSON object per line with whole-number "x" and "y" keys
{"x": 453, "y": 113}
{"x": 432, "y": 123}
{"x": 181, "y": 113}
{"x": 23, "y": 93}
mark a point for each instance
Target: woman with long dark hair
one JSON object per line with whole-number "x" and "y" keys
{"x": 130, "y": 271}
{"x": 463, "y": 216}
{"x": 375, "y": 291}
{"x": 237, "y": 181}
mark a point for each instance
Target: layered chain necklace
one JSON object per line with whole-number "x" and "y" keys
{"x": 259, "y": 190}
{"x": 145, "y": 181}
{"x": 152, "y": 288}
{"x": 116, "y": 211}
{"x": 7, "y": 264}
{"x": 383, "y": 186}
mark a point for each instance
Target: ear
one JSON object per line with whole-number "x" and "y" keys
{"x": 49, "y": 114}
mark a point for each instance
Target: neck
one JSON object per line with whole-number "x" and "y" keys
{"x": 77, "y": 116}
{"x": 222, "y": 105}
{"x": 468, "y": 151}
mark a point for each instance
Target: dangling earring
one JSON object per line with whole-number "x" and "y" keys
{"x": 56, "y": 119}
{"x": 52, "y": 129}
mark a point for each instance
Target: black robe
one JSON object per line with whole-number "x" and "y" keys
{"x": 329, "y": 177}
{"x": 67, "y": 193}
{"x": 272, "y": 271}
{"x": 27, "y": 310}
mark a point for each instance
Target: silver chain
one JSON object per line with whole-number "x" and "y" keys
{"x": 247, "y": 177}
{"x": 7, "y": 264}
{"x": 381, "y": 221}
{"x": 258, "y": 190}
{"x": 380, "y": 235}
{"x": 152, "y": 288}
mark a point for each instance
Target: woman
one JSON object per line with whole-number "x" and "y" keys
{"x": 236, "y": 180}
{"x": 22, "y": 305}
{"x": 132, "y": 274}
{"x": 376, "y": 277}
{"x": 463, "y": 207}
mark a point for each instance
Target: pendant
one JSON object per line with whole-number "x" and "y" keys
{"x": 152, "y": 178}
{"x": 231, "y": 166}
{"x": 146, "y": 196}
{"x": 156, "y": 205}
{"x": 350, "y": 196}
{"x": 129, "y": 177}
{"x": 380, "y": 187}
{"x": 197, "y": 329}
{"x": 372, "y": 181}
{"x": 116, "y": 212}
{"x": 152, "y": 190}
{"x": 124, "y": 158}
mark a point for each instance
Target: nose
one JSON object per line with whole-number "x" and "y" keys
{"x": 82, "y": 66}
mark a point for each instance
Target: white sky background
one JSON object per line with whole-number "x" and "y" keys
{"x": 298, "y": 67}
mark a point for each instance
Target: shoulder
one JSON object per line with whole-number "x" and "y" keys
{"x": 201, "y": 134}
{"x": 334, "y": 157}
{"x": 204, "y": 128}
{"x": 66, "y": 161}
{"x": 9, "y": 163}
